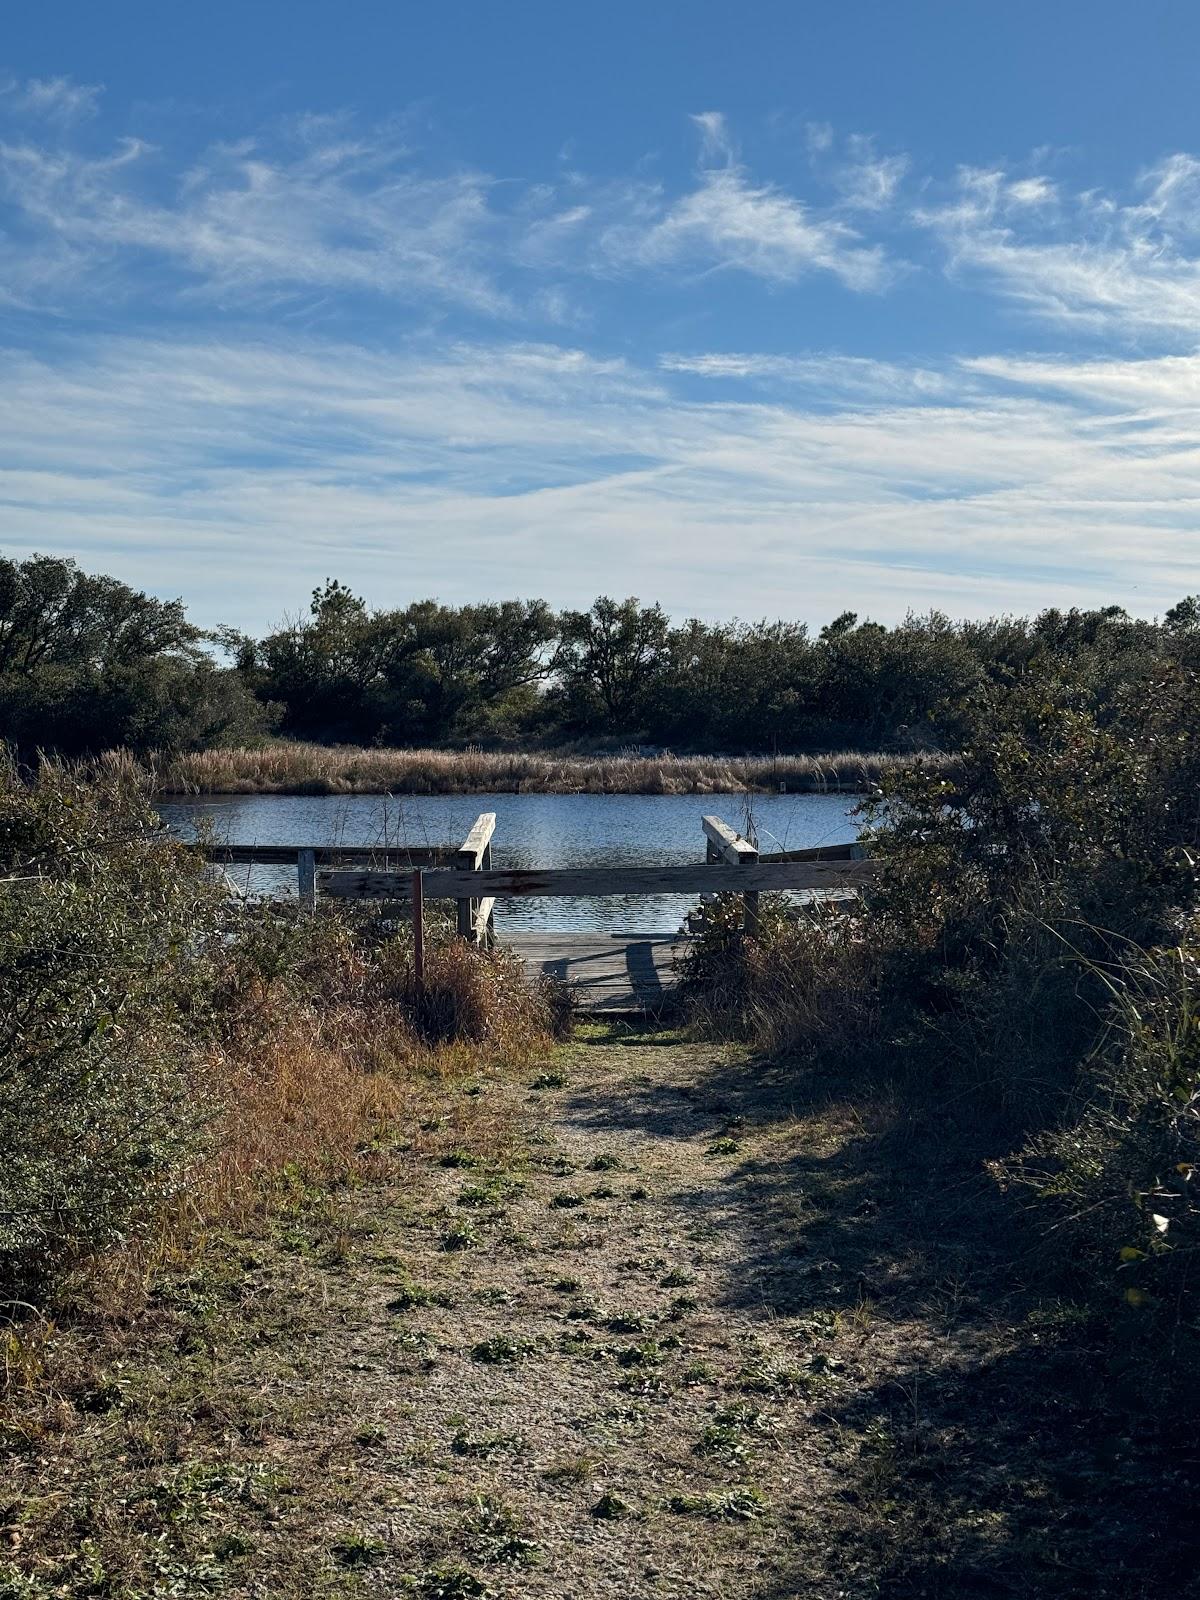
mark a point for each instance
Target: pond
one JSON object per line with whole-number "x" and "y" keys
{"x": 532, "y": 830}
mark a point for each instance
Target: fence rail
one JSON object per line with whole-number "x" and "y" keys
{"x": 465, "y": 873}
{"x": 691, "y": 878}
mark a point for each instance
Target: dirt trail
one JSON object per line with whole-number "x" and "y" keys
{"x": 646, "y": 1325}
{"x": 677, "y": 1354}
{"x": 625, "y": 1363}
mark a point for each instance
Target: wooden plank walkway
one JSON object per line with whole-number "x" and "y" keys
{"x": 606, "y": 971}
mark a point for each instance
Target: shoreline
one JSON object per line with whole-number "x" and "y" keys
{"x": 307, "y": 769}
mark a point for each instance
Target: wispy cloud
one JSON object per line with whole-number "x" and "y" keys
{"x": 314, "y": 207}
{"x": 866, "y": 180}
{"x": 1088, "y": 262}
{"x": 60, "y": 100}
{"x": 730, "y": 221}
{"x": 459, "y": 471}
{"x": 326, "y": 214}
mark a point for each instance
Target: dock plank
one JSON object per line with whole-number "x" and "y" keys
{"x": 608, "y": 971}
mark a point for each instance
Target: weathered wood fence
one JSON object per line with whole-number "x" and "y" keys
{"x": 466, "y": 875}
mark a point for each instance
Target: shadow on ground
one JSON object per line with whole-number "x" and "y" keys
{"x": 981, "y": 1428}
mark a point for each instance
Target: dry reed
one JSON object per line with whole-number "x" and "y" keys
{"x": 320, "y": 769}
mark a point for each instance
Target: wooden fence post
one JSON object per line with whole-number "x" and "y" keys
{"x": 418, "y": 928}
{"x": 725, "y": 844}
{"x": 474, "y": 921}
{"x": 306, "y": 878}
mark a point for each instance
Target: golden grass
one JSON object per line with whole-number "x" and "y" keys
{"x": 307, "y": 1100}
{"x": 320, "y": 769}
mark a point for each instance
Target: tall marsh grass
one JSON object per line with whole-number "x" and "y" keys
{"x": 320, "y": 769}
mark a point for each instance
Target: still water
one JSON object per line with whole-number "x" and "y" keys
{"x": 532, "y": 830}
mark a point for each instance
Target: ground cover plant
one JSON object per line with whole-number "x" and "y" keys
{"x": 860, "y": 1396}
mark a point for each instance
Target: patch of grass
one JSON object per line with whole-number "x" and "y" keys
{"x": 584, "y": 1311}
{"x": 646, "y": 1354}
{"x": 411, "y": 1295}
{"x": 726, "y": 1434}
{"x": 492, "y": 1191}
{"x": 493, "y": 1533}
{"x": 606, "y": 1163}
{"x": 603, "y": 1191}
{"x": 502, "y": 1349}
{"x": 458, "y": 1158}
{"x": 548, "y": 1080}
{"x": 483, "y": 1445}
{"x": 677, "y": 1278}
{"x": 611, "y": 1507}
{"x": 723, "y": 1147}
{"x": 576, "y": 1469}
{"x": 566, "y": 1200}
{"x": 742, "y": 1503}
{"x": 699, "y": 1372}
{"x": 188, "y": 1492}
{"x": 628, "y": 1322}
{"x": 446, "y": 1583}
{"x": 461, "y": 1236}
{"x": 680, "y": 1306}
{"x": 766, "y": 1376}
{"x": 358, "y": 1550}
{"x": 566, "y": 1285}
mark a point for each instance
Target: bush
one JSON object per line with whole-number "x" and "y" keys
{"x": 170, "y": 1057}
{"x": 107, "y": 943}
{"x": 1028, "y": 952}
{"x": 1119, "y": 1179}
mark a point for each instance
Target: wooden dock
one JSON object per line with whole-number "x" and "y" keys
{"x": 606, "y": 971}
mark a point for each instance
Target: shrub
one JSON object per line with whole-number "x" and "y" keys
{"x": 1119, "y": 1178}
{"x": 1029, "y": 951}
{"x": 169, "y": 1057}
{"x": 107, "y": 942}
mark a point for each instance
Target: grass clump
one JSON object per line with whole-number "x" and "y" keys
{"x": 446, "y": 1583}
{"x": 742, "y": 1503}
{"x": 465, "y": 1443}
{"x": 358, "y": 1550}
{"x": 502, "y": 1349}
{"x": 493, "y": 1533}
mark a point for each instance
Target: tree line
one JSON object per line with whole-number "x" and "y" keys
{"x": 89, "y": 663}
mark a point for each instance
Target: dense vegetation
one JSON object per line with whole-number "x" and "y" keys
{"x": 169, "y": 1057}
{"x": 990, "y": 1324}
{"x": 88, "y": 664}
{"x": 1026, "y": 968}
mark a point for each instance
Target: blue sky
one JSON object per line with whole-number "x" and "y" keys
{"x": 771, "y": 310}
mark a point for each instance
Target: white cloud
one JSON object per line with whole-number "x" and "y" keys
{"x": 332, "y": 215}
{"x": 1090, "y": 262}
{"x": 242, "y": 471}
{"x": 868, "y": 181}
{"x": 822, "y": 375}
{"x": 60, "y": 100}
{"x": 730, "y": 222}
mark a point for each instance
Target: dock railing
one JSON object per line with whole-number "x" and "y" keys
{"x": 466, "y": 875}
